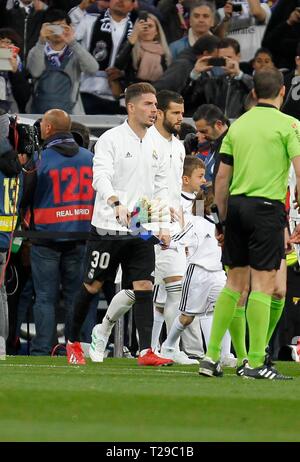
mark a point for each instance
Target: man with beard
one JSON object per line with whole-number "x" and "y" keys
{"x": 127, "y": 167}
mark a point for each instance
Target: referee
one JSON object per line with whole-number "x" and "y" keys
{"x": 250, "y": 191}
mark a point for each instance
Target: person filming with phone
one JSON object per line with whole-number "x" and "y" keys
{"x": 56, "y": 63}
{"x": 145, "y": 55}
{"x": 14, "y": 87}
{"x": 219, "y": 80}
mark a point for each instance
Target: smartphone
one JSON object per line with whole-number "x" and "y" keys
{"x": 237, "y": 7}
{"x": 216, "y": 62}
{"x": 56, "y": 29}
{"x": 5, "y": 56}
{"x": 143, "y": 15}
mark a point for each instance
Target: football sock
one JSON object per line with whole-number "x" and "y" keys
{"x": 157, "y": 326}
{"x": 173, "y": 290}
{"x": 120, "y": 304}
{"x": 237, "y": 331}
{"x": 223, "y": 314}
{"x": 81, "y": 309}
{"x": 277, "y": 306}
{"x": 143, "y": 316}
{"x": 174, "y": 334}
{"x": 258, "y": 318}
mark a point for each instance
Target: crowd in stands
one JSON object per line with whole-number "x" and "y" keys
{"x": 81, "y": 56}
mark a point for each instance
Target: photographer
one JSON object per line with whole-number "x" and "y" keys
{"x": 10, "y": 194}
{"x": 61, "y": 197}
{"x": 247, "y": 24}
{"x": 15, "y": 87}
{"x": 219, "y": 81}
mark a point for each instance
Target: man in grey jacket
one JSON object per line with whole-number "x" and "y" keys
{"x": 56, "y": 62}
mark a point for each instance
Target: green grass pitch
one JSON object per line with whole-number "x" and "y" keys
{"x": 45, "y": 399}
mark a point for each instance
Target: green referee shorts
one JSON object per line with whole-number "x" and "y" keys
{"x": 254, "y": 233}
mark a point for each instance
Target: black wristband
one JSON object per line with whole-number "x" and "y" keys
{"x": 115, "y": 204}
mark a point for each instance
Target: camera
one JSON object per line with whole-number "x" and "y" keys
{"x": 216, "y": 62}
{"x": 143, "y": 15}
{"x": 25, "y": 139}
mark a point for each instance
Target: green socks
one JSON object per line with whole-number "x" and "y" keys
{"x": 237, "y": 331}
{"x": 223, "y": 314}
{"x": 275, "y": 314}
{"x": 258, "y": 318}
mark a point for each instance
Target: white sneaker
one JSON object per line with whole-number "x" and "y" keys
{"x": 98, "y": 345}
{"x": 228, "y": 361}
{"x": 180, "y": 357}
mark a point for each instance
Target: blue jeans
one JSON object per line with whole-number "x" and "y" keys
{"x": 50, "y": 268}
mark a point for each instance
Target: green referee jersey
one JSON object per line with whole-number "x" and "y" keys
{"x": 262, "y": 143}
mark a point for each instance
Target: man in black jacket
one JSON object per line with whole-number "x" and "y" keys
{"x": 283, "y": 32}
{"x": 25, "y": 17}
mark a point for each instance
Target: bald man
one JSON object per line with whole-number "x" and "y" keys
{"x": 61, "y": 197}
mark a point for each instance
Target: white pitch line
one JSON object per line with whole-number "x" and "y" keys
{"x": 109, "y": 369}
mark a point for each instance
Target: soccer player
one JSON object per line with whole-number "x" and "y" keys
{"x": 204, "y": 278}
{"x": 254, "y": 171}
{"x": 127, "y": 166}
{"x": 170, "y": 264}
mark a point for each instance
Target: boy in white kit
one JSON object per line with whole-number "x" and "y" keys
{"x": 204, "y": 277}
{"x": 191, "y": 341}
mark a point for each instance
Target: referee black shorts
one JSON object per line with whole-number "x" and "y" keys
{"x": 104, "y": 254}
{"x": 254, "y": 233}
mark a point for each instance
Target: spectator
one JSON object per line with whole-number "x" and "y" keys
{"x": 26, "y": 18}
{"x": 175, "y": 23}
{"x": 103, "y": 36}
{"x": 225, "y": 86}
{"x": 248, "y": 26}
{"x": 262, "y": 60}
{"x": 61, "y": 196}
{"x": 16, "y": 87}
{"x": 202, "y": 19}
{"x": 292, "y": 85}
{"x": 56, "y": 62}
{"x": 145, "y": 55}
{"x": 282, "y": 39}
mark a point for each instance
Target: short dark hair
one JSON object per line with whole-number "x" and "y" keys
{"x": 165, "y": 97}
{"x": 210, "y": 113}
{"x": 185, "y": 129}
{"x": 191, "y": 163}
{"x": 267, "y": 83}
{"x": 199, "y": 3}
{"x": 138, "y": 89}
{"x": 263, "y": 50}
{"x": 12, "y": 35}
{"x": 81, "y": 134}
{"x": 53, "y": 14}
{"x": 207, "y": 43}
{"x": 230, "y": 42}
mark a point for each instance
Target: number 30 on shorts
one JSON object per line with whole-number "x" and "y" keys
{"x": 101, "y": 260}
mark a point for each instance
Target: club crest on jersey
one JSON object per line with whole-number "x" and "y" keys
{"x": 128, "y": 155}
{"x": 91, "y": 273}
{"x": 154, "y": 155}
